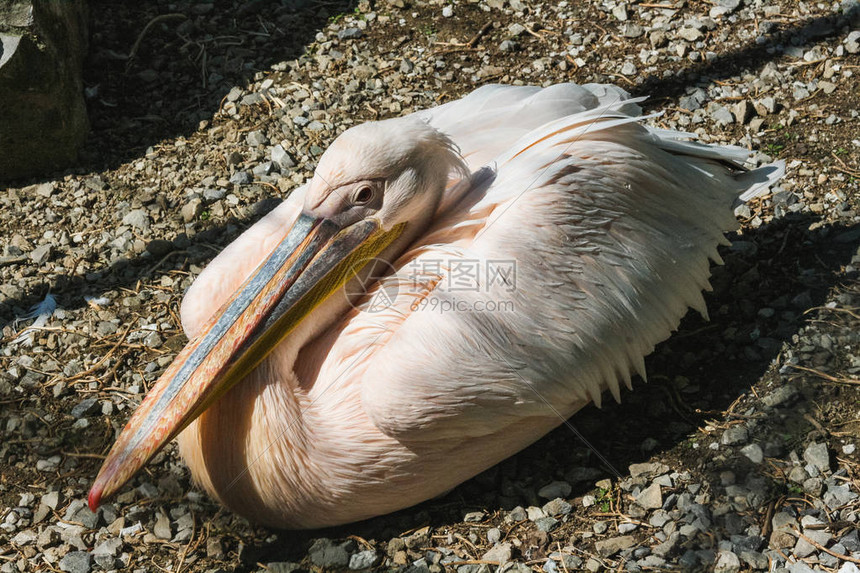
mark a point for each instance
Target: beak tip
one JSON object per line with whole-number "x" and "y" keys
{"x": 95, "y": 497}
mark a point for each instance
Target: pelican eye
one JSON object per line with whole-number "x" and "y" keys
{"x": 363, "y": 195}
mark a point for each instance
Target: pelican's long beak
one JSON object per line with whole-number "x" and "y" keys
{"x": 314, "y": 260}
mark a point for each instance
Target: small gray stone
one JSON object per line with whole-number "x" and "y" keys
{"x": 241, "y": 177}
{"x": 727, "y": 562}
{"x": 162, "y": 527}
{"x": 138, "y": 219}
{"x": 647, "y": 469}
{"x": 779, "y": 396}
{"x": 516, "y": 29}
{"x": 690, "y": 34}
{"x": 349, "y": 34}
{"x": 735, "y": 435}
{"x": 507, "y": 46}
{"x": 325, "y": 553}
{"x": 282, "y": 158}
{"x": 41, "y": 254}
{"x": 743, "y": 111}
{"x": 191, "y": 210}
{"x": 474, "y": 517}
{"x": 852, "y": 42}
{"x": 632, "y": 30}
{"x": 817, "y": 455}
{"x": 755, "y": 559}
{"x": 264, "y": 168}
{"x": 689, "y": 103}
{"x": 80, "y": 513}
{"x": 499, "y": 553}
{"x": 546, "y": 524}
{"x": 25, "y": 537}
{"x": 723, "y": 116}
{"x": 659, "y": 518}
{"x": 839, "y": 495}
{"x": 51, "y": 499}
{"x": 555, "y": 489}
{"x": 109, "y": 546}
{"x": 363, "y": 560}
{"x": 628, "y": 69}
{"x": 851, "y": 541}
{"x": 84, "y": 408}
{"x": 43, "y": 190}
{"x": 76, "y": 562}
{"x": 651, "y": 497}
{"x": 753, "y": 452}
{"x": 557, "y": 506}
{"x": 626, "y": 527}
{"x": 255, "y": 138}
{"x": 611, "y": 546}
{"x": 214, "y": 194}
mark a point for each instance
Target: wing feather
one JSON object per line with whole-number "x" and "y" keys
{"x": 611, "y": 226}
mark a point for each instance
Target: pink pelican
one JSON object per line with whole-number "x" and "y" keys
{"x": 301, "y": 402}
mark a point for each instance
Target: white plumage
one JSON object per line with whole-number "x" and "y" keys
{"x": 610, "y": 226}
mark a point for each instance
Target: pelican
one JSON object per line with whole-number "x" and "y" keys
{"x": 533, "y": 245}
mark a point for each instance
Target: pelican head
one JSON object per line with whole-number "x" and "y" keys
{"x": 378, "y": 185}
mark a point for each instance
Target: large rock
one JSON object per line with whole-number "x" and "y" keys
{"x": 43, "y": 118}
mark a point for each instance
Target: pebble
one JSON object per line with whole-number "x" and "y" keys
{"x": 817, "y": 455}
{"x": 363, "y": 560}
{"x": 727, "y": 562}
{"x": 546, "y": 523}
{"x": 325, "y": 553}
{"x": 282, "y": 159}
{"x": 557, "y": 506}
{"x": 138, "y": 219}
{"x": 256, "y": 138}
{"x": 349, "y": 34}
{"x": 754, "y": 453}
{"x": 734, "y": 435}
{"x": 852, "y": 42}
{"x": 191, "y": 210}
{"x": 241, "y": 178}
{"x": 555, "y": 489}
{"x": 611, "y": 546}
{"x": 499, "y": 553}
{"x": 76, "y": 562}
{"x": 650, "y": 497}
{"x": 84, "y": 408}
{"x": 161, "y": 529}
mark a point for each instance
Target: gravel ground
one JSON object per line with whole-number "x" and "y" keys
{"x": 741, "y": 453}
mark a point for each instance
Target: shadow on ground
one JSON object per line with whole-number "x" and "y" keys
{"x": 134, "y": 112}
{"x": 185, "y": 57}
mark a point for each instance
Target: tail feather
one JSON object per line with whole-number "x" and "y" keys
{"x": 757, "y": 181}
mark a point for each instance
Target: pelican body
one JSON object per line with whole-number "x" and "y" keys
{"x": 302, "y": 402}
